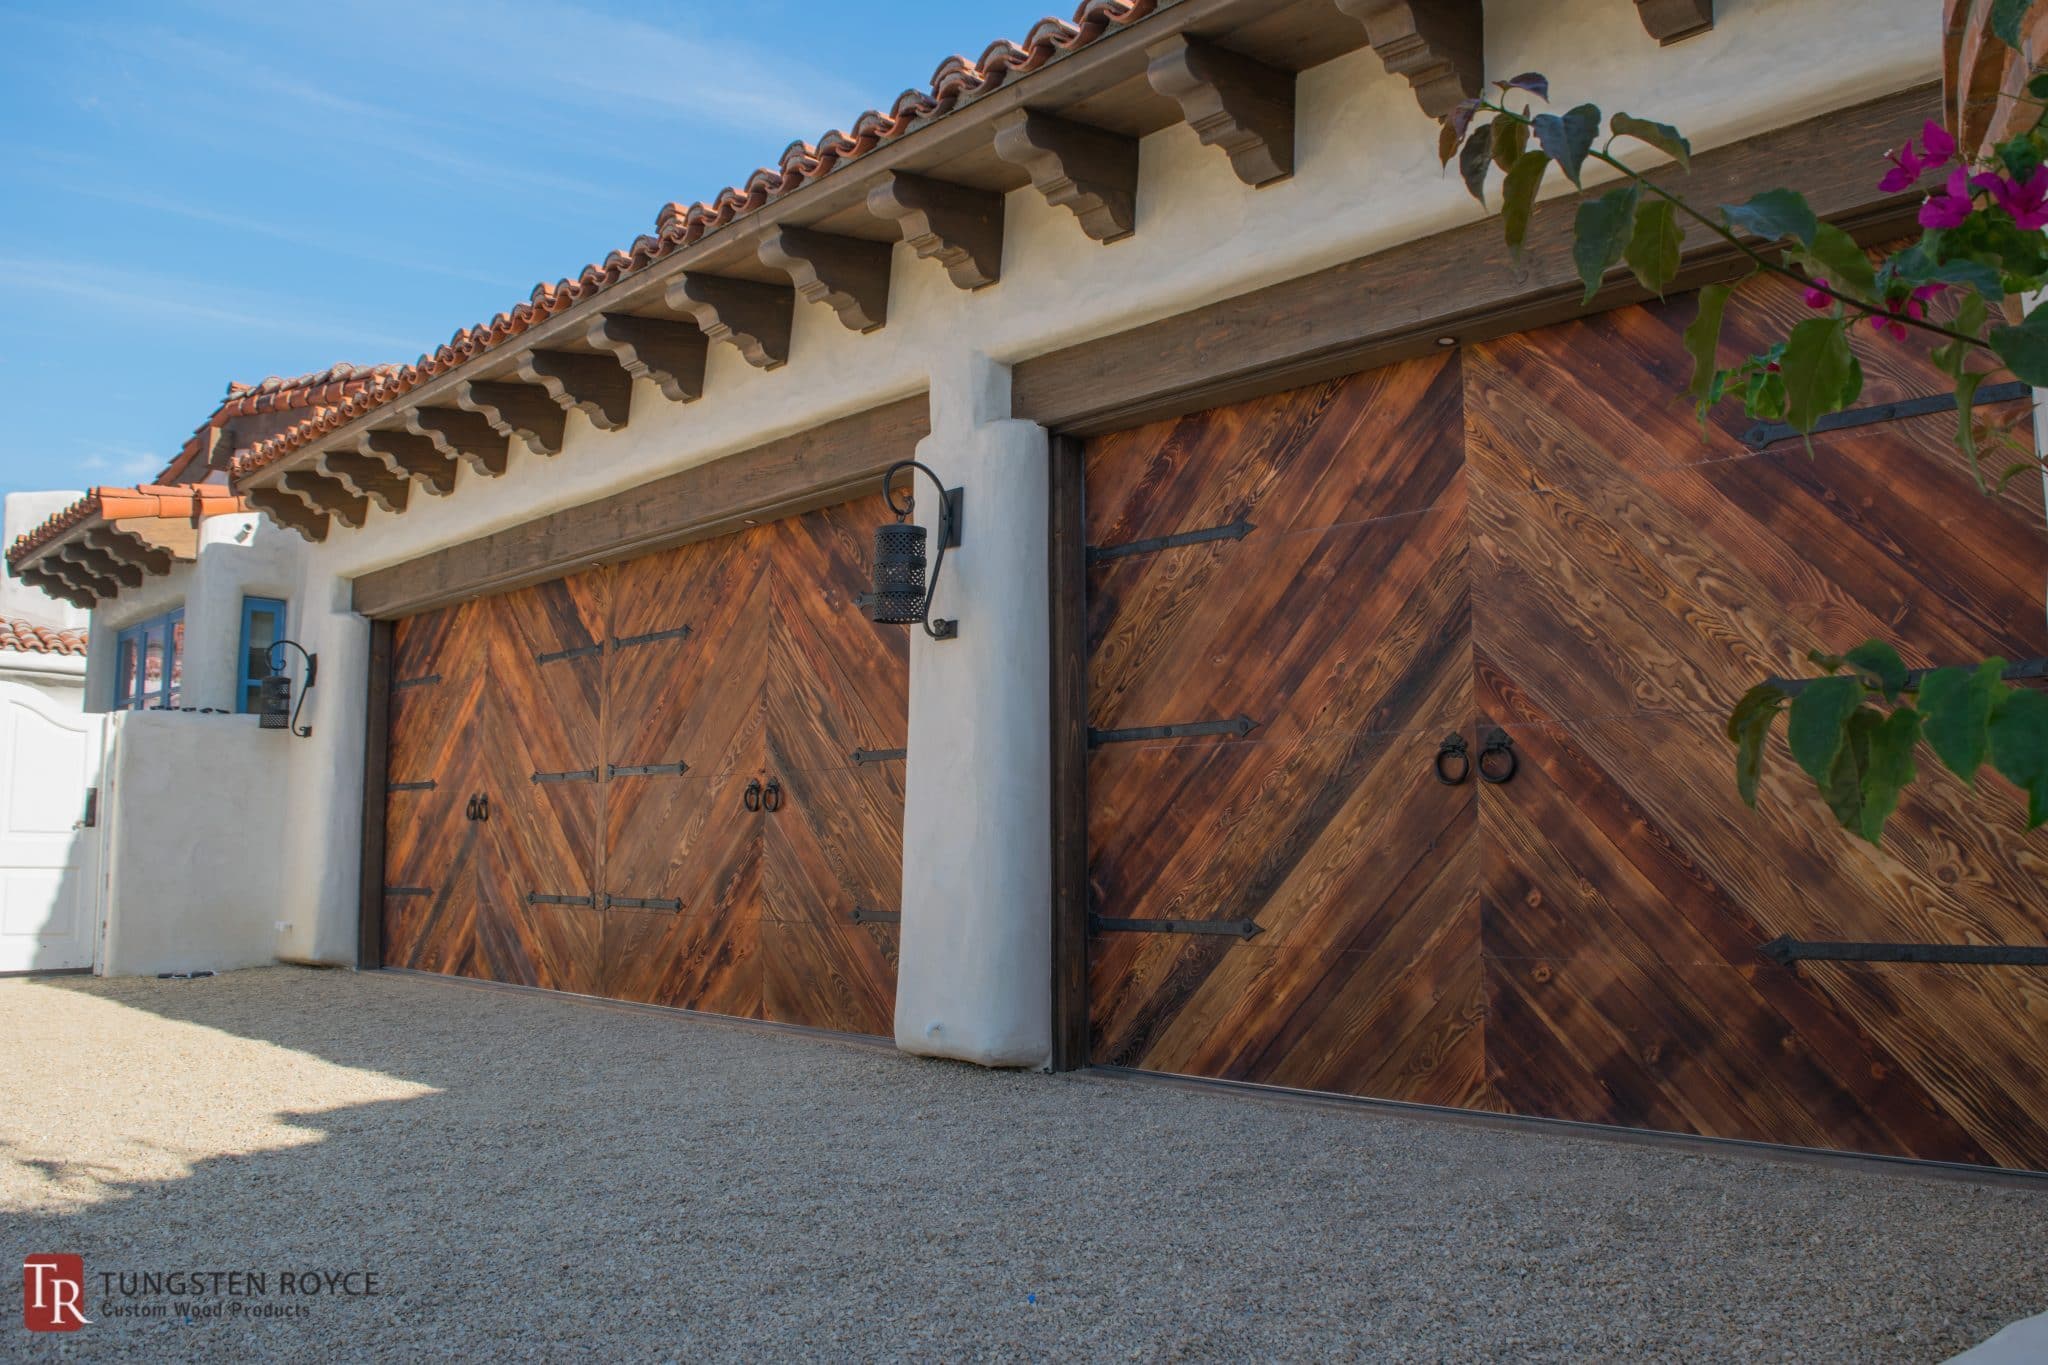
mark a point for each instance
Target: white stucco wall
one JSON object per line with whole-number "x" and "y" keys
{"x": 976, "y": 899}
{"x": 20, "y": 514}
{"x": 190, "y": 813}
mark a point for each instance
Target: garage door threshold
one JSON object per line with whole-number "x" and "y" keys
{"x": 1693, "y": 1143}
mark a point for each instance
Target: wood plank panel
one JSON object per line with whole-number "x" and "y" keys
{"x": 834, "y": 847}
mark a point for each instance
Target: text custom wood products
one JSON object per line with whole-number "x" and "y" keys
{"x": 668, "y": 745}
{"x": 1531, "y": 543}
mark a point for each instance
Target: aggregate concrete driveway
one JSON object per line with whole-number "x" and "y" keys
{"x": 533, "y": 1177}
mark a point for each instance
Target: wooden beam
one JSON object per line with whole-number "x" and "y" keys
{"x": 848, "y": 274}
{"x": 1439, "y": 45}
{"x": 1092, "y": 171}
{"x": 753, "y": 317}
{"x": 591, "y": 384}
{"x": 330, "y": 495}
{"x": 371, "y": 477}
{"x": 1068, "y": 578}
{"x": 956, "y": 225}
{"x": 827, "y": 464}
{"x": 462, "y": 435}
{"x": 1459, "y": 284}
{"x": 99, "y": 563}
{"x": 416, "y": 457}
{"x": 521, "y": 410}
{"x": 669, "y": 355}
{"x": 1670, "y": 20}
{"x": 131, "y": 549}
{"x": 376, "y": 772}
{"x": 1232, "y": 102}
{"x": 289, "y": 511}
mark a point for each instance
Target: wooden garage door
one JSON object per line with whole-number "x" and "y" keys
{"x": 692, "y": 773}
{"x": 1530, "y": 540}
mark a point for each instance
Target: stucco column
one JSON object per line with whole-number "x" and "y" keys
{"x": 974, "y": 970}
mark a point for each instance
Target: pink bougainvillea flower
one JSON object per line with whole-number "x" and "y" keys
{"x": 1936, "y": 144}
{"x": 1950, "y": 207}
{"x": 2026, "y": 200}
{"x": 1909, "y": 163}
{"x": 1817, "y": 295}
{"x": 1888, "y": 326}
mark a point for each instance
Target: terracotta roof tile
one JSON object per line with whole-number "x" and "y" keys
{"x": 321, "y": 388}
{"x": 956, "y": 81}
{"x": 30, "y": 638}
{"x": 197, "y": 501}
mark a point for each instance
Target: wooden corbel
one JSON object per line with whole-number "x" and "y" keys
{"x": 1242, "y": 106}
{"x": 1092, "y": 171}
{"x": 1439, "y": 45}
{"x": 590, "y": 384}
{"x": 956, "y": 225}
{"x": 131, "y": 549}
{"x": 668, "y": 354}
{"x": 521, "y": 410}
{"x": 414, "y": 456}
{"x": 97, "y": 569}
{"x": 289, "y": 511}
{"x": 753, "y": 317}
{"x": 330, "y": 495}
{"x": 370, "y": 477}
{"x": 462, "y": 435}
{"x": 848, "y": 274}
{"x": 52, "y": 585}
{"x": 1670, "y": 20}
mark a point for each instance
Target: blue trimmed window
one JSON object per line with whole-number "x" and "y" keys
{"x": 262, "y": 627}
{"x": 150, "y": 661}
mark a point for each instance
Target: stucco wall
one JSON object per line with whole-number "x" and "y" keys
{"x": 976, "y": 885}
{"x": 181, "y": 893}
{"x": 20, "y": 514}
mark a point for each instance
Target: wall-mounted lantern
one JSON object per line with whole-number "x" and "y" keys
{"x": 902, "y": 593}
{"x": 274, "y": 709}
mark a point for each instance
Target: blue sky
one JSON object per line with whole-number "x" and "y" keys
{"x": 197, "y": 193}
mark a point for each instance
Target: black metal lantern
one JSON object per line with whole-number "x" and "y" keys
{"x": 274, "y": 709}
{"x": 902, "y": 593}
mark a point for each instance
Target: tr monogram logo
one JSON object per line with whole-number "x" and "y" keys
{"x": 53, "y": 1293}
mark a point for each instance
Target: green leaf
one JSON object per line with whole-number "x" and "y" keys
{"x": 1775, "y": 214}
{"x": 1966, "y": 425}
{"x": 1703, "y": 342}
{"x": 1472, "y": 160}
{"x": 1749, "y": 725}
{"x": 1878, "y": 660}
{"x": 1821, "y": 375}
{"x": 1446, "y": 143}
{"x": 2024, "y": 348}
{"x": 1535, "y": 82}
{"x": 1510, "y": 140}
{"x": 1652, "y": 251}
{"x": 1888, "y": 767}
{"x": 1974, "y": 275}
{"x": 2005, "y": 21}
{"x": 2013, "y": 471}
{"x": 1568, "y": 137}
{"x": 2019, "y": 747}
{"x": 2038, "y": 86}
{"x": 1518, "y": 196}
{"x": 1836, "y": 258}
{"x": 1601, "y": 232}
{"x": 1955, "y": 705}
{"x": 1842, "y": 788}
{"x": 1662, "y": 136}
{"x": 1820, "y": 715}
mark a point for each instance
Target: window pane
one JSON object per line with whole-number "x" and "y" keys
{"x": 153, "y": 663}
{"x": 124, "y": 674}
{"x": 177, "y": 662}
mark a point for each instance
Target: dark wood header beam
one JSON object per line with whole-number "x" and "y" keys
{"x": 828, "y": 464}
{"x": 1232, "y": 102}
{"x": 956, "y": 225}
{"x": 848, "y": 274}
{"x": 1439, "y": 45}
{"x": 669, "y": 355}
{"x": 753, "y": 317}
{"x": 517, "y": 410}
{"x": 591, "y": 384}
{"x": 1092, "y": 171}
{"x": 1670, "y": 20}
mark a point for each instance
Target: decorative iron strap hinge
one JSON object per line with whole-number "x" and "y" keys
{"x": 859, "y": 915}
{"x": 2026, "y": 670}
{"x": 573, "y": 775}
{"x": 1237, "y": 530}
{"x": 535, "y": 898}
{"x": 1240, "y": 727}
{"x": 426, "y": 681}
{"x": 1765, "y": 434}
{"x": 678, "y": 633}
{"x": 878, "y": 755}
{"x": 641, "y": 903}
{"x": 1233, "y": 928}
{"x": 408, "y": 890}
{"x": 1786, "y": 950}
{"x": 408, "y": 786}
{"x": 647, "y": 770}
{"x": 580, "y": 652}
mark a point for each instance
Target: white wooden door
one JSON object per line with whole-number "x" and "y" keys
{"x": 49, "y": 757}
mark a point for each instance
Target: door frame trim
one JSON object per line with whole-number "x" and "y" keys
{"x": 1068, "y": 564}
{"x": 376, "y": 776}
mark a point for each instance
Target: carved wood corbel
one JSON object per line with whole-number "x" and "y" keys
{"x": 415, "y": 457}
{"x": 848, "y": 274}
{"x": 1670, "y": 20}
{"x": 290, "y": 511}
{"x": 370, "y": 477}
{"x": 102, "y": 573}
{"x": 668, "y": 354}
{"x": 53, "y": 586}
{"x": 590, "y": 384}
{"x": 463, "y": 435}
{"x": 956, "y": 225}
{"x": 753, "y": 317}
{"x": 1091, "y": 171}
{"x": 1439, "y": 45}
{"x": 521, "y": 410}
{"x": 131, "y": 549}
{"x": 330, "y": 495}
{"x": 1242, "y": 106}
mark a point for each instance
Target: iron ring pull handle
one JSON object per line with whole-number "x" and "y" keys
{"x": 1498, "y": 743}
{"x": 1453, "y": 747}
{"x": 483, "y": 806}
{"x": 469, "y": 811}
{"x": 771, "y": 799}
{"x": 751, "y": 798}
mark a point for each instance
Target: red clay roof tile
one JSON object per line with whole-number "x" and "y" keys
{"x": 30, "y": 638}
{"x": 197, "y": 501}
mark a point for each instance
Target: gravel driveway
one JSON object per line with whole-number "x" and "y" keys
{"x": 536, "y": 1177}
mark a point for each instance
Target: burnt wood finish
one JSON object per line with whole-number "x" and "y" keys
{"x": 376, "y": 770}
{"x": 1532, "y": 538}
{"x": 1068, "y": 581}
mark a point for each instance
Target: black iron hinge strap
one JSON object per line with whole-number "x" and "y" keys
{"x": 643, "y": 903}
{"x": 536, "y": 898}
{"x": 2026, "y": 670}
{"x": 1234, "y": 928}
{"x": 408, "y": 786}
{"x": 679, "y": 633}
{"x": 573, "y": 775}
{"x": 1786, "y": 950}
{"x": 1770, "y": 433}
{"x": 862, "y": 915}
{"x": 580, "y": 652}
{"x": 427, "y": 681}
{"x": 1240, "y": 727}
{"x": 408, "y": 890}
{"x": 878, "y": 755}
{"x": 647, "y": 770}
{"x": 1236, "y": 530}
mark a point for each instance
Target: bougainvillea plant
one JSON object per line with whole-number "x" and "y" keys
{"x": 1856, "y": 731}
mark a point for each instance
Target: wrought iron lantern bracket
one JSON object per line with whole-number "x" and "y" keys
{"x": 902, "y": 591}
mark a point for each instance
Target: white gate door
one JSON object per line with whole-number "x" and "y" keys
{"x": 49, "y": 756}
